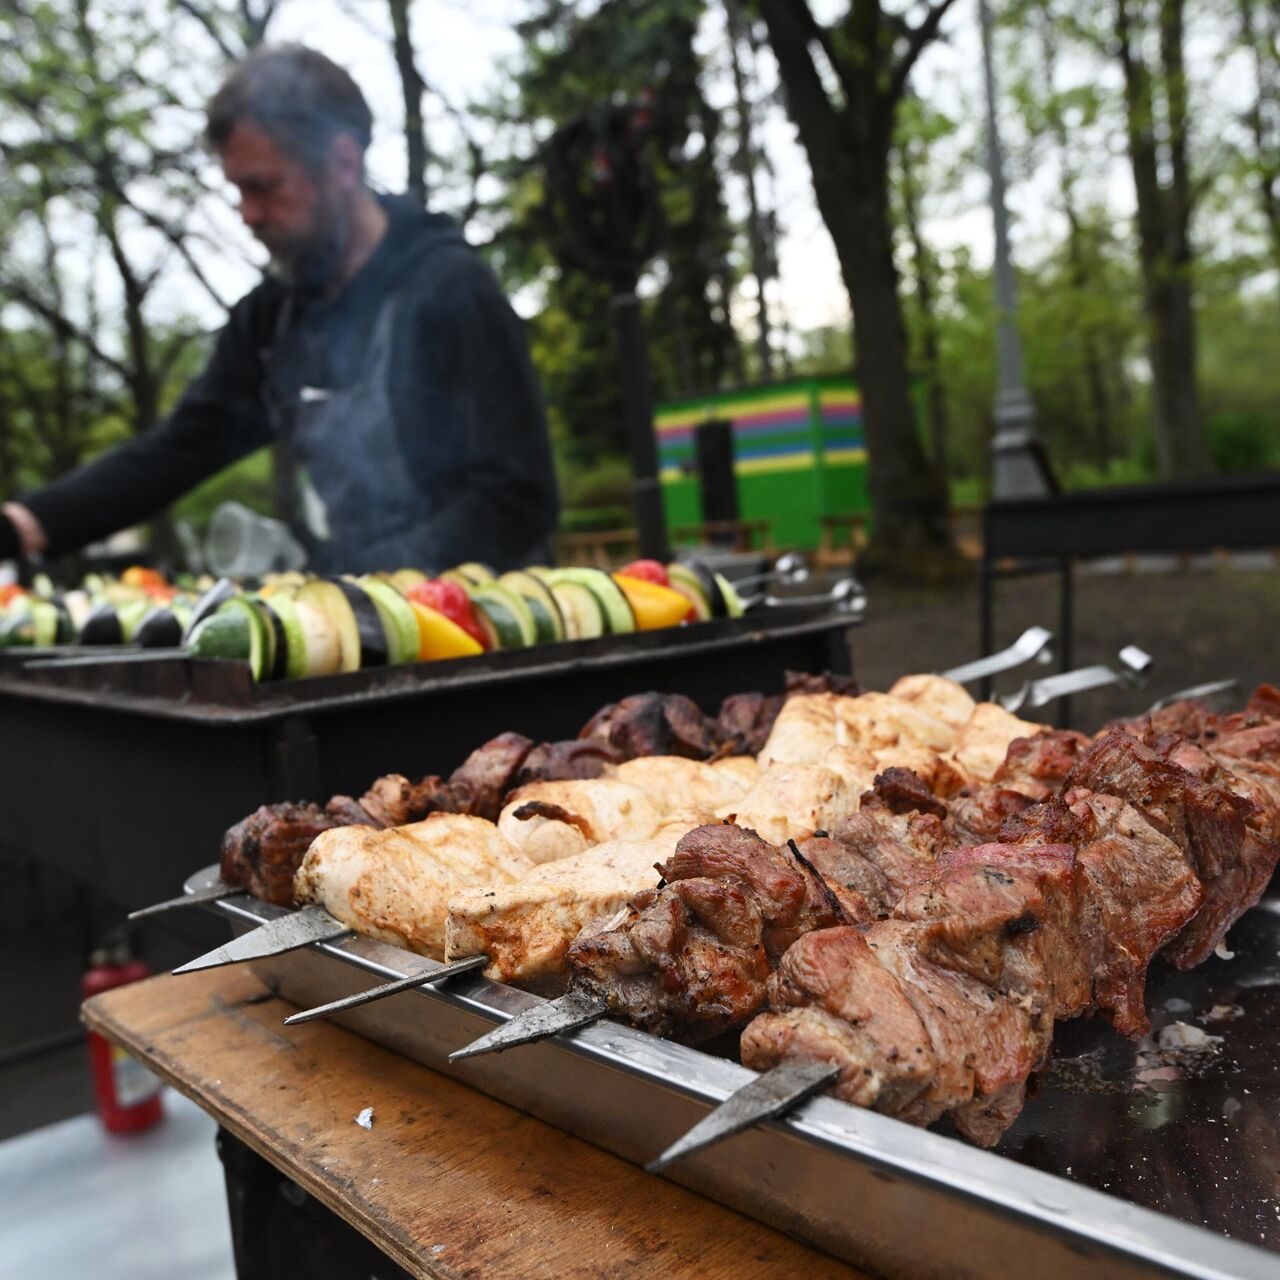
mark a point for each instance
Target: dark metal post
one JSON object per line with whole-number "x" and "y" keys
{"x": 642, "y": 447}
{"x": 986, "y": 640}
{"x": 1017, "y": 452}
{"x": 1066, "y": 641}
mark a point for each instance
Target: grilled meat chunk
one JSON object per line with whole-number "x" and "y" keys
{"x": 1139, "y": 889}
{"x": 902, "y": 847}
{"x": 262, "y": 852}
{"x": 563, "y": 761}
{"x": 982, "y": 742}
{"x": 395, "y": 885}
{"x": 550, "y": 820}
{"x": 692, "y": 956}
{"x": 479, "y": 785}
{"x": 792, "y": 800}
{"x": 1205, "y": 819}
{"x": 904, "y": 791}
{"x": 977, "y": 813}
{"x": 745, "y": 722}
{"x": 1038, "y": 765}
{"x": 912, "y": 1038}
{"x": 652, "y": 724}
{"x": 525, "y": 927}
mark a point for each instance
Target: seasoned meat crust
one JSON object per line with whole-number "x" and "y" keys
{"x": 691, "y": 957}
{"x": 262, "y": 852}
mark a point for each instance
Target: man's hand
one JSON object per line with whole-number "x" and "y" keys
{"x": 20, "y": 532}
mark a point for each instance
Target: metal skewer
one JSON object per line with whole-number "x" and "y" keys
{"x": 285, "y": 933}
{"x": 1195, "y": 691}
{"x": 791, "y": 570}
{"x": 1134, "y": 665}
{"x": 1031, "y": 646}
{"x": 568, "y": 1012}
{"x": 773, "y": 1094}
{"x": 466, "y": 965}
{"x": 214, "y": 893}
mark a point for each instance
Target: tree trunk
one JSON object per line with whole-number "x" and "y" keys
{"x": 745, "y": 163}
{"x": 1265, "y": 106}
{"x": 413, "y": 89}
{"x": 924, "y": 276}
{"x": 848, "y": 152}
{"x": 1165, "y": 253}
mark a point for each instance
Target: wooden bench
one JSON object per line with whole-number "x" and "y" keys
{"x": 736, "y": 535}
{"x": 600, "y": 549}
{"x": 843, "y": 536}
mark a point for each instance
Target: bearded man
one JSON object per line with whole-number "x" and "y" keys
{"x": 378, "y": 355}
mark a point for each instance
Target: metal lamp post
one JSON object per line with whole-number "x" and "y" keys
{"x": 1018, "y": 457}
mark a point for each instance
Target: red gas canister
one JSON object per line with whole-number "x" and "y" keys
{"x": 128, "y": 1094}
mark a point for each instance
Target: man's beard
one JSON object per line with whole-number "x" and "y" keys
{"x": 310, "y": 264}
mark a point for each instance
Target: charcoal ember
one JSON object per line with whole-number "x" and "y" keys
{"x": 262, "y": 852}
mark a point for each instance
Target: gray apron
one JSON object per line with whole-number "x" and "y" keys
{"x": 356, "y": 506}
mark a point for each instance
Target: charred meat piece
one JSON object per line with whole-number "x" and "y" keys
{"x": 824, "y": 682}
{"x": 479, "y": 785}
{"x": 904, "y": 791}
{"x": 745, "y": 722}
{"x": 1039, "y": 765}
{"x": 1138, "y": 890}
{"x": 1009, "y": 915}
{"x": 977, "y": 813}
{"x": 863, "y": 889}
{"x": 691, "y": 957}
{"x": 564, "y": 761}
{"x": 913, "y": 1039}
{"x": 262, "y": 852}
{"x": 652, "y": 724}
{"x": 902, "y": 847}
{"x": 1205, "y": 819}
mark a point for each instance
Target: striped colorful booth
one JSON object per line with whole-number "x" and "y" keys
{"x": 798, "y": 450}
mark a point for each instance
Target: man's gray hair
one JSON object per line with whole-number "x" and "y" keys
{"x": 296, "y": 96}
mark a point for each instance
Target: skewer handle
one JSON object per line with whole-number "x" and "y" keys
{"x": 465, "y": 965}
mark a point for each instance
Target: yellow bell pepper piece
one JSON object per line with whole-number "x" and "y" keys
{"x": 654, "y": 605}
{"x": 440, "y": 637}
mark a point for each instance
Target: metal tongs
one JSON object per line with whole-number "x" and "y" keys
{"x": 1134, "y": 665}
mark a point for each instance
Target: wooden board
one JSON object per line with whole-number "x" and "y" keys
{"x": 447, "y": 1182}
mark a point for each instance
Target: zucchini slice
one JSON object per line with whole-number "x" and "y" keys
{"x": 684, "y": 580}
{"x": 505, "y": 613}
{"x": 474, "y": 572}
{"x": 547, "y": 622}
{"x": 291, "y": 639}
{"x": 398, "y": 618}
{"x": 581, "y": 611}
{"x": 619, "y": 620}
{"x": 235, "y": 634}
{"x": 212, "y": 600}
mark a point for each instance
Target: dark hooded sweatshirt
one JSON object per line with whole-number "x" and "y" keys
{"x": 409, "y": 401}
